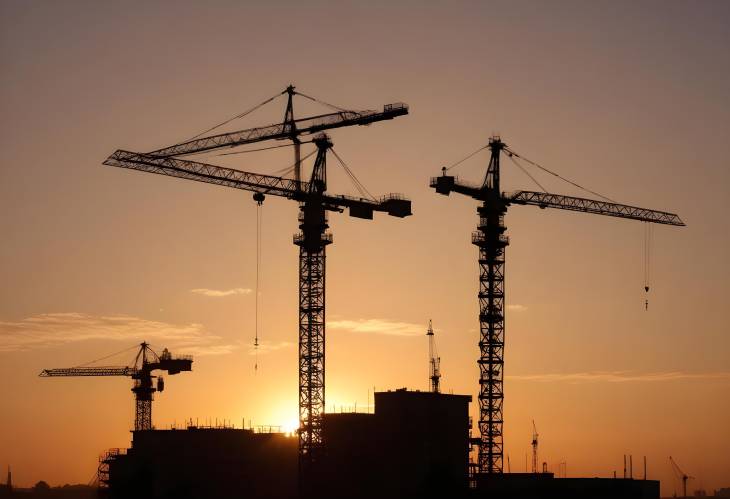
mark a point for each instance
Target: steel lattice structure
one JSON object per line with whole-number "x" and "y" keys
{"x": 491, "y": 240}
{"x": 314, "y": 203}
{"x": 145, "y": 362}
{"x": 312, "y": 241}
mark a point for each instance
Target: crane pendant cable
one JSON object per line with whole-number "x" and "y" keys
{"x": 648, "y": 237}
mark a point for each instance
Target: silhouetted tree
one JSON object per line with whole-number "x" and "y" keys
{"x": 41, "y": 486}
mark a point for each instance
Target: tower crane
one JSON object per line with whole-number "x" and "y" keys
{"x": 534, "y": 447}
{"x": 491, "y": 240}
{"x": 434, "y": 361}
{"x": 145, "y": 362}
{"x": 681, "y": 475}
{"x": 314, "y": 204}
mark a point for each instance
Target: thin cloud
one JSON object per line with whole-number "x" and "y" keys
{"x": 379, "y": 326}
{"x": 619, "y": 377}
{"x": 516, "y": 307}
{"x": 217, "y": 293}
{"x": 48, "y": 330}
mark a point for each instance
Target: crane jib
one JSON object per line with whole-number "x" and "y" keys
{"x": 393, "y": 204}
{"x": 279, "y": 131}
{"x": 547, "y": 200}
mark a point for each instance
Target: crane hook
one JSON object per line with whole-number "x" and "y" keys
{"x": 259, "y": 198}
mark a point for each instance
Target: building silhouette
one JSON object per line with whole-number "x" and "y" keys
{"x": 414, "y": 444}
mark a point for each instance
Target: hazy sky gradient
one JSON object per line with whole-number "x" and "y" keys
{"x": 629, "y": 99}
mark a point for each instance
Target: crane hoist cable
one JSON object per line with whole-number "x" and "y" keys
{"x": 648, "y": 240}
{"x": 259, "y": 224}
{"x": 648, "y": 229}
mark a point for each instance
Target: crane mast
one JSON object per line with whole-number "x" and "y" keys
{"x": 145, "y": 362}
{"x": 681, "y": 475}
{"x": 312, "y": 240}
{"x": 491, "y": 240}
{"x": 434, "y": 362}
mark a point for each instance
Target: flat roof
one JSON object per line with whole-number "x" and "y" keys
{"x": 400, "y": 392}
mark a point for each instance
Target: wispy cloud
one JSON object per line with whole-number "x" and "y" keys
{"x": 217, "y": 293}
{"x": 47, "y": 330}
{"x": 619, "y": 377}
{"x": 516, "y": 307}
{"x": 379, "y": 326}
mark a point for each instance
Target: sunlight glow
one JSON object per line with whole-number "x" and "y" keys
{"x": 290, "y": 427}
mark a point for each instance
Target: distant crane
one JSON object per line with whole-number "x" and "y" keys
{"x": 534, "y": 447}
{"x": 434, "y": 362}
{"x": 140, "y": 371}
{"x": 314, "y": 203}
{"x": 491, "y": 240}
{"x": 681, "y": 475}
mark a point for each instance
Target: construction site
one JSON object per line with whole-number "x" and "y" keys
{"x": 413, "y": 444}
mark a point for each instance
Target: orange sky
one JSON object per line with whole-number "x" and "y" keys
{"x": 629, "y": 100}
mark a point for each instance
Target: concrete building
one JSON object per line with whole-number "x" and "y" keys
{"x": 414, "y": 444}
{"x": 204, "y": 463}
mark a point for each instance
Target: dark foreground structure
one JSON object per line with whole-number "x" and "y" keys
{"x": 546, "y": 486}
{"x": 415, "y": 445}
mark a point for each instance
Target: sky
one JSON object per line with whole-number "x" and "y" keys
{"x": 630, "y": 99}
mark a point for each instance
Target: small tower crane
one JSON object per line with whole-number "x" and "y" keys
{"x": 534, "y": 447}
{"x": 434, "y": 362}
{"x": 314, "y": 204}
{"x": 145, "y": 362}
{"x": 680, "y": 475}
{"x": 491, "y": 240}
